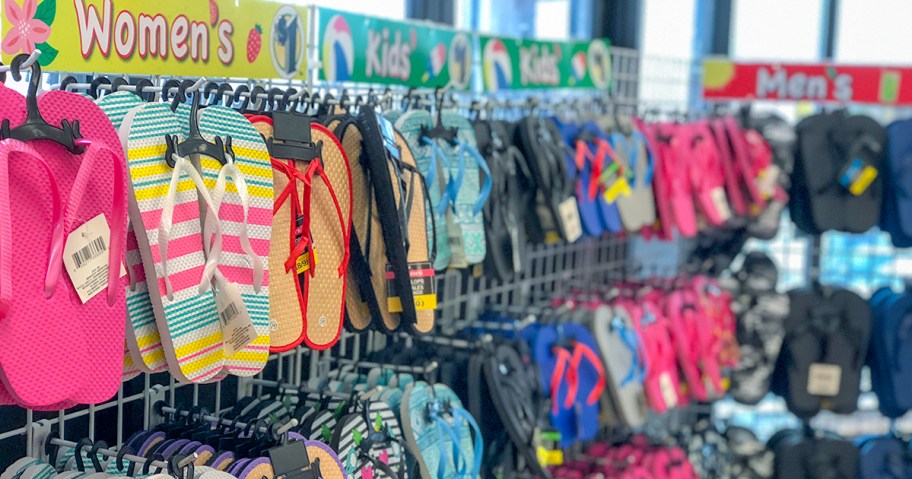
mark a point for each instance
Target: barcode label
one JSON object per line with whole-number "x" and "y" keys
{"x": 85, "y": 256}
{"x": 237, "y": 327}
{"x": 230, "y": 312}
{"x": 89, "y": 252}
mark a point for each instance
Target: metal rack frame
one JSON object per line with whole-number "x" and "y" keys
{"x": 549, "y": 269}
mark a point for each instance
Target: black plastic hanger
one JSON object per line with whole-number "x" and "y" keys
{"x": 35, "y": 126}
{"x": 226, "y": 93}
{"x": 256, "y": 103}
{"x": 195, "y": 144}
{"x": 210, "y": 92}
{"x": 439, "y": 132}
{"x": 118, "y": 83}
{"x": 242, "y": 89}
{"x": 141, "y": 85}
{"x": 97, "y": 82}
{"x": 82, "y": 444}
{"x": 169, "y": 85}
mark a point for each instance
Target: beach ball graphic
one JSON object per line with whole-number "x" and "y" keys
{"x": 460, "y": 62}
{"x": 436, "y": 59}
{"x": 599, "y": 64}
{"x": 338, "y": 50}
{"x": 498, "y": 67}
{"x": 579, "y": 64}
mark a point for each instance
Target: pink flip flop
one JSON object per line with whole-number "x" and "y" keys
{"x": 677, "y": 175}
{"x": 707, "y": 176}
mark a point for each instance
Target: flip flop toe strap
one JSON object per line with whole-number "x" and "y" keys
{"x": 183, "y": 165}
{"x": 55, "y": 247}
{"x": 97, "y": 152}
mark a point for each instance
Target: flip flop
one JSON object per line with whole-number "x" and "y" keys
{"x": 674, "y": 162}
{"x": 72, "y": 180}
{"x": 143, "y": 340}
{"x": 434, "y": 164}
{"x": 539, "y": 141}
{"x": 662, "y": 383}
{"x": 185, "y": 308}
{"x": 607, "y": 178}
{"x": 505, "y": 210}
{"x": 242, "y": 195}
{"x": 473, "y": 190}
{"x": 329, "y": 463}
{"x": 896, "y": 213}
{"x": 883, "y": 458}
{"x": 638, "y": 209}
{"x": 625, "y": 363}
{"x": 707, "y": 176}
{"x": 579, "y": 160}
{"x": 366, "y": 245}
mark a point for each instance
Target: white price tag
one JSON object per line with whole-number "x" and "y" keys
{"x": 237, "y": 327}
{"x": 570, "y": 220}
{"x": 720, "y": 200}
{"x": 824, "y": 379}
{"x": 85, "y": 257}
{"x": 669, "y": 395}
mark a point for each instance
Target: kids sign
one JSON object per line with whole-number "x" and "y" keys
{"x": 217, "y": 38}
{"x": 821, "y": 83}
{"x": 356, "y": 48}
{"x": 511, "y": 64}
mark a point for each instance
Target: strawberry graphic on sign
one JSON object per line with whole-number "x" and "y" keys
{"x": 213, "y": 13}
{"x": 254, "y": 43}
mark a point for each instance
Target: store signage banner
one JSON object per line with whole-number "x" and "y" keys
{"x": 820, "y": 83}
{"x": 515, "y": 64}
{"x": 214, "y": 38}
{"x": 356, "y": 48}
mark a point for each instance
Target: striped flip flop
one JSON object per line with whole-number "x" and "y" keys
{"x": 168, "y": 231}
{"x": 242, "y": 192}
{"x": 142, "y": 338}
{"x": 472, "y": 193}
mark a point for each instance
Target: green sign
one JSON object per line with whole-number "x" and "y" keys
{"x": 356, "y": 48}
{"x": 515, "y": 64}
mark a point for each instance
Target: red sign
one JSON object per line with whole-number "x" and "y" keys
{"x": 821, "y": 83}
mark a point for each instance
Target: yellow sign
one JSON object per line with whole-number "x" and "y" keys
{"x": 211, "y": 38}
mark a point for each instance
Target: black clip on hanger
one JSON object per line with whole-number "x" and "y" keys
{"x": 292, "y": 139}
{"x": 35, "y": 126}
{"x": 195, "y": 144}
{"x": 290, "y": 460}
{"x": 438, "y": 131}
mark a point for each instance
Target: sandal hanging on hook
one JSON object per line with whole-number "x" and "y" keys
{"x": 195, "y": 144}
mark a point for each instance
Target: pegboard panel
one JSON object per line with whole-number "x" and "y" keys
{"x": 549, "y": 270}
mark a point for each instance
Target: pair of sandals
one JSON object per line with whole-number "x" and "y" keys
{"x": 838, "y": 181}
{"x": 557, "y": 215}
{"x": 573, "y": 376}
{"x": 761, "y": 313}
{"x": 50, "y": 195}
{"x": 390, "y": 241}
{"x": 637, "y": 458}
{"x": 800, "y": 454}
{"x": 883, "y": 457}
{"x": 505, "y": 211}
{"x": 890, "y": 351}
{"x": 459, "y": 183}
{"x": 827, "y": 335}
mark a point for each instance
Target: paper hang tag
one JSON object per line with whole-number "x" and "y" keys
{"x": 85, "y": 257}
{"x": 303, "y": 263}
{"x": 768, "y": 180}
{"x": 669, "y": 395}
{"x": 237, "y": 327}
{"x": 619, "y": 188}
{"x": 824, "y": 379}
{"x": 720, "y": 201}
{"x": 424, "y": 287}
{"x": 570, "y": 220}
{"x": 857, "y": 176}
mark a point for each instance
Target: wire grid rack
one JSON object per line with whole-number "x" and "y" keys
{"x": 548, "y": 270}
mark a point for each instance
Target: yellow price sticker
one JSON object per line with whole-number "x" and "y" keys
{"x": 620, "y": 188}
{"x": 302, "y": 264}
{"x": 864, "y": 180}
{"x": 423, "y": 302}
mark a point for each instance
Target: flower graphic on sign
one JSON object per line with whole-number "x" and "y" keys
{"x": 30, "y": 27}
